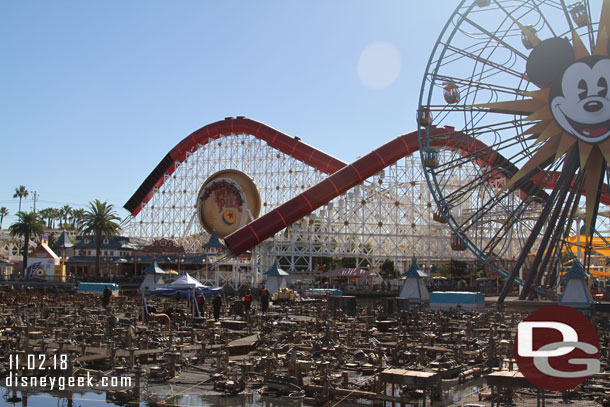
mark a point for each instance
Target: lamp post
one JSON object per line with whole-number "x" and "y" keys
{"x": 135, "y": 266}
{"x": 207, "y": 268}
{"x": 179, "y": 261}
{"x": 107, "y": 261}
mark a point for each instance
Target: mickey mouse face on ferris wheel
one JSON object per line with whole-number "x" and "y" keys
{"x": 579, "y": 98}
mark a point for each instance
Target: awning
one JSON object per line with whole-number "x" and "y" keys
{"x": 275, "y": 271}
{"x": 154, "y": 268}
{"x": 184, "y": 286}
{"x": 413, "y": 272}
{"x": 357, "y": 272}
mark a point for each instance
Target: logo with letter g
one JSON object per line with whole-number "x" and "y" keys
{"x": 557, "y": 348}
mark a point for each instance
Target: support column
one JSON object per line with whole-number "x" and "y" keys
{"x": 567, "y": 173}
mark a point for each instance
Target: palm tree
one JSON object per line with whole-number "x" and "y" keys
{"x": 55, "y": 216}
{"x": 77, "y": 217}
{"x": 100, "y": 221}
{"x": 28, "y": 225}
{"x": 20, "y": 192}
{"x": 47, "y": 214}
{"x": 44, "y": 215}
{"x": 3, "y": 214}
{"x": 65, "y": 213}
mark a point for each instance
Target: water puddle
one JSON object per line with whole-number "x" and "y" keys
{"x": 452, "y": 393}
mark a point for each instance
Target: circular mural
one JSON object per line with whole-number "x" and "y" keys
{"x": 227, "y": 201}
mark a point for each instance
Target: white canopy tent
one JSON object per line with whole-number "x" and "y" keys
{"x": 275, "y": 279}
{"x": 153, "y": 278}
{"x": 576, "y": 291}
{"x": 414, "y": 288}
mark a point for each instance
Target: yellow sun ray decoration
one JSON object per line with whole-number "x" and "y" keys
{"x": 571, "y": 110}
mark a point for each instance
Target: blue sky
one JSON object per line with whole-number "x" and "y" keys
{"x": 94, "y": 93}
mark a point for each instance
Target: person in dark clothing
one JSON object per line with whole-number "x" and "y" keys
{"x": 200, "y": 303}
{"x": 247, "y": 301}
{"x": 217, "y": 303}
{"x": 106, "y": 297}
{"x": 264, "y": 299}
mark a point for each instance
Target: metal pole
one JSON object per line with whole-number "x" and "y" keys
{"x": 35, "y": 199}
{"x": 544, "y": 244}
{"x": 562, "y": 232}
{"x": 589, "y": 237}
{"x": 568, "y": 171}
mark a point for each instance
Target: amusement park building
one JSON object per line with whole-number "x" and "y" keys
{"x": 375, "y": 211}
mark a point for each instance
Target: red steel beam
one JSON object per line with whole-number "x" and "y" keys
{"x": 353, "y": 174}
{"x": 308, "y": 201}
{"x": 291, "y": 146}
{"x": 344, "y": 176}
{"x": 548, "y": 180}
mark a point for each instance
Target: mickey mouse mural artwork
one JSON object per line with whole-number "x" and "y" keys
{"x": 570, "y": 113}
{"x": 579, "y": 98}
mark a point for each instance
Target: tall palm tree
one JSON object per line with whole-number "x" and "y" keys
{"x": 21, "y": 192}
{"x": 28, "y": 225}
{"x": 77, "y": 217}
{"x": 67, "y": 212}
{"x": 3, "y": 214}
{"x": 44, "y": 215}
{"x": 100, "y": 221}
{"x": 55, "y": 216}
{"x": 47, "y": 214}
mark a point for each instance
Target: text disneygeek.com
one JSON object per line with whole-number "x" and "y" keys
{"x": 62, "y": 383}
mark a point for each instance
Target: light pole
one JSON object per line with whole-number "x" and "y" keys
{"x": 107, "y": 261}
{"x": 207, "y": 268}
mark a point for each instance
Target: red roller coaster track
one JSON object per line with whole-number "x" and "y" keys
{"x": 353, "y": 174}
{"x": 239, "y": 125}
{"x": 342, "y": 179}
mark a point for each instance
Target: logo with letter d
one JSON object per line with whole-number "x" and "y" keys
{"x": 557, "y": 348}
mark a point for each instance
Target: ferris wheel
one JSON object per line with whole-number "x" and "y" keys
{"x": 524, "y": 84}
